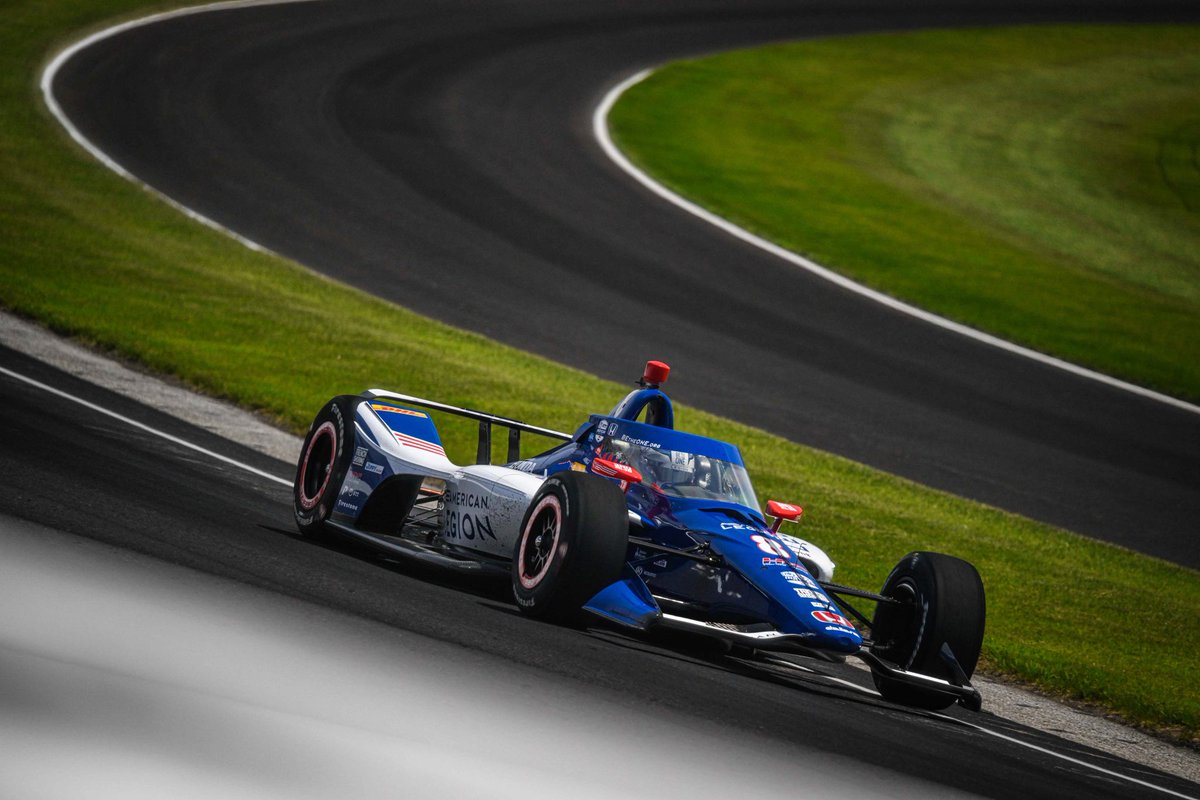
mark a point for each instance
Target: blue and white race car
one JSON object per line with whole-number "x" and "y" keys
{"x": 635, "y": 522}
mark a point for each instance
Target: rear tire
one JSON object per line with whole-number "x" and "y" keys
{"x": 324, "y": 461}
{"x": 572, "y": 544}
{"x": 947, "y": 607}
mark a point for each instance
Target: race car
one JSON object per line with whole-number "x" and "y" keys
{"x": 634, "y": 522}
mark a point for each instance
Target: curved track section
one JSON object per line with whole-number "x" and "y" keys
{"x": 172, "y": 514}
{"x": 440, "y": 154}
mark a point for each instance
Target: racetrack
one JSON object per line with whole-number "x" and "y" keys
{"x": 130, "y": 490}
{"x": 211, "y": 543}
{"x": 440, "y": 155}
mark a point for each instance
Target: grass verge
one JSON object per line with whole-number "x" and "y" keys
{"x": 95, "y": 258}
{"x": 1039, "y": 183}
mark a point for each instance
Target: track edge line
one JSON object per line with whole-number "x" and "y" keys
{"x": 601, "y": 132}
{"x": 51, "y": 70}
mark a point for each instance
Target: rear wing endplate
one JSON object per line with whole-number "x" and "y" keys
{"x": 483, "y": 454}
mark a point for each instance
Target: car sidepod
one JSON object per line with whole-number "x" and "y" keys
{"x": 484, "y": 508}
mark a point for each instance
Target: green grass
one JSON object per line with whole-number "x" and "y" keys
{"x": 96, "y": 258}
{"x": 1040, "y": 183}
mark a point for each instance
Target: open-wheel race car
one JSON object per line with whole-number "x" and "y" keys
{"x": 635, "y": 522}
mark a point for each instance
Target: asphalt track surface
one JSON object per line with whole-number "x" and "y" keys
{"x": 139, "y": 492}
{"x": 440, "y": 154}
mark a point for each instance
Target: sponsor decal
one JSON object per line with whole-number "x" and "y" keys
{"x": 374, "y": 468}
{"x": 810, "y": 590}
{"x": 465, "y": 525}
{"x": 832, "y": 619}
{"x": 603, "y": 426}
{"x": 524, "y": 466}
{"x": 577, "y": 466}
{"x": 661, "y": 563}
{"x": 467, "y": 499}
{"x": 774, "y": 562}
{"x": 840, "y": 629}
{"x": 360, "y": 455}
{"x": 798, "y": 579}
{"x": 420, "y": 444}
{"x": 737, "y": 526}
{"x": 397, "y": 410}
{"x": 641, "y": 442}
{"x": 612, "y": 429}
{"x": 349, "y": 508}
{"x": 467, "y": 517}
{"x": 803, "y": 580}
{"x": 818, "y": 604}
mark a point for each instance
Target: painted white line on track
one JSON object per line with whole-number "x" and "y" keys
{"x": 47, "y": 86}
{"x": 1065, "y": 757}
{"x": 990, "y": 732}
{"x": 142, "y": 426}
{"x": 601, "y": 131}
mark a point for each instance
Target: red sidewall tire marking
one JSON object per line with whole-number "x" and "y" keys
{"x": 327, "y": 429}
{"x": 528, "y": 581}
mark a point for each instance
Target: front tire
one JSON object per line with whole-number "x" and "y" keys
{"x": 324, "y": 462}
{"x": 572, "y": 544}
{"x": 944, "y": 604}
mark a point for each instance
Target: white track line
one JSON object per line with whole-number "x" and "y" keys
{"x": 990, "y": 732}
{"x": 1064, "y": 757}
{"x": 142, "y": 426}
{"x": 601, "y": 132}
{"x": 47, "y": 85}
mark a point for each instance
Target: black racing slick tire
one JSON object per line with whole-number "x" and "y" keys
{"x": 324, "y": 461}
{"x": 572, "y": 544}
{"x": 942, "y": 603}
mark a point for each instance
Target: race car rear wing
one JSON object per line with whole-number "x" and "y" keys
{"x": 483, "y": 454}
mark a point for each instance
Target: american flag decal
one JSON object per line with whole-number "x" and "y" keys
{"x": 420, "y": 444}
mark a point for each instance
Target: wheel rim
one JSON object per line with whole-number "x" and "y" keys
{"x": 317, "y": 467}
{"x": 913, "y": 629}
{"x": 539, "y": 540}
